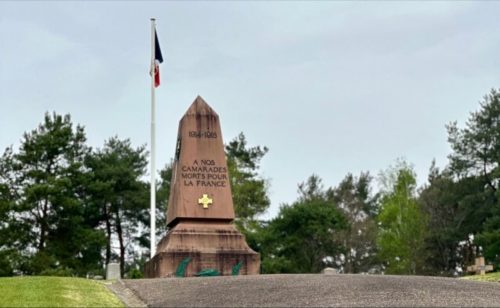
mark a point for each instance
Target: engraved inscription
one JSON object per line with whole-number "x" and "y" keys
{"x": 204, "y": 173}
{"x": 202, "y": 134}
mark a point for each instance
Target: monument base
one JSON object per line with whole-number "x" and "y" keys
{"x": 214, "y": 245}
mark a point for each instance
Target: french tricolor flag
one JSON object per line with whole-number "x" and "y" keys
{"x": 157, "y": 61}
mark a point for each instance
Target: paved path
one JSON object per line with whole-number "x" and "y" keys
{"x": 315, "y": 291}
{"x": 126, "y": 295}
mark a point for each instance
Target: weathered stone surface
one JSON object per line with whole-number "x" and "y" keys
{"x": 329, "y": 271}
{"x": 209, "y": 245}
{"x": 200, "y": 212}
{"x": 113, "y": 271}
{"x": 200, "y": 168}
{"x": 479, "y": 267}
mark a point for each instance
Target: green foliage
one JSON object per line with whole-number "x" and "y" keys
{"x": 47, "y": 217}
{"x": 249, "y": 190}
{"x": 10, "y": 245}
{"x": 55, "y": 292}
{"x": 10, "y": 260}
{"x": 311, "y": 190}
{"x": 476, "y": 148}
{"x": 301, "y": 239}
{"x": 134, "y": 267}
{"x": 162, "y": 197}
{"x": 332, "y": 227}
{"x": 476, "y": 156}
{"x": 135, "y": 274}
{"x": 59, "y": 272}
{"x": 117, "y": 191}
{"x": 440, "y": 203}
{"x": 455, "y": 209}
{"x": 401, "y": 225}
{"x": 61, "y": 204}
{"x": 489, "y": 238}
{"x": 354, "y": 199}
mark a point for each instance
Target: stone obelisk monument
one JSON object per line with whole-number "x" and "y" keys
{"x": 200, "y": 209}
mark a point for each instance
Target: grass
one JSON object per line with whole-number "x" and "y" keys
{"x": 491, "y": 277}
{"x": 38, "y": 291}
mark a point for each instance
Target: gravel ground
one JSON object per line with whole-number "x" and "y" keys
{"x": 315, "y": 290}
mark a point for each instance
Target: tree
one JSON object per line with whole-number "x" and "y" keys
{"x": 248, "y": 188}
{"x": 439, "y": 201}
{"x": 354, "y": 199}
{"x": 401, "y": 224}
{"x": 46, "y": 180}
{"x": 476, "y": 148}
{"x": 11, "y": 244}
{"x": 346, "y": 239}
{"x": 117, "y": 190}
{"x": 162, "y": 197}
{"x": 476, "y": 156}
{"x": 301, "y": 239}
{"x": 312, "y": 189}
{"x": 490, "y": 237}
{"x": 454, "y": 210}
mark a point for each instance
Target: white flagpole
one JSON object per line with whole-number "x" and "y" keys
{"x": 153, "y": 145}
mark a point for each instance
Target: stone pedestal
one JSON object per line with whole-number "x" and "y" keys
{"x": 209, "y": 245}
{"x": 200, "y": 209}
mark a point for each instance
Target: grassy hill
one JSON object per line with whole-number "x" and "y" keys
{"x": 55, "y": 292}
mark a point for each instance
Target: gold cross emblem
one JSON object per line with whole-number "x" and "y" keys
{"x": 205, "y": 200}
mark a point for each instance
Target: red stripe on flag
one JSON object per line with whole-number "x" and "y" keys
{"x": 157, "y": 74}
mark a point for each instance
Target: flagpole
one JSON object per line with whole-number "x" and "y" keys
{"x": 153, "y": 145}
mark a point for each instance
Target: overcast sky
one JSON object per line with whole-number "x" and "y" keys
{"x": 329, "y": 87}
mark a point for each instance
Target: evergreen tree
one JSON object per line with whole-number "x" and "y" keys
{"x": 455, "y": 208}
{"x": 476, "y": 148}
{"x": 354, "y": 199}
{"x": 476, "y": 156}
{"x": 303, "y": 237}
{"x": 11, "y": 243}
{"x": 249, "y": 190}
{"x": 47, "y": 181}
{"x": 312, "y": 189}
{"x": 117, "y": 190}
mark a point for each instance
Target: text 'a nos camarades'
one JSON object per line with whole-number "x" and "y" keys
{"x": 204, "y": 173}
